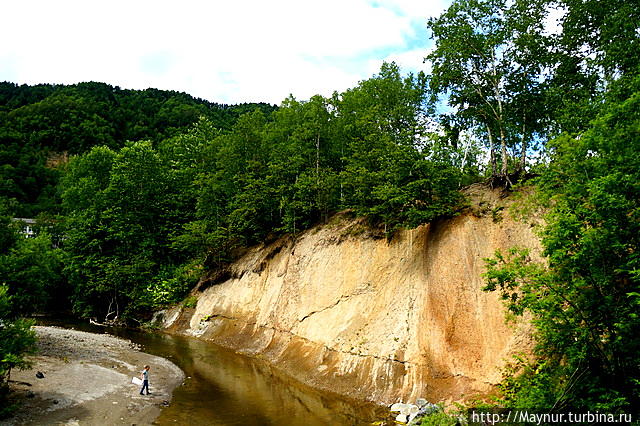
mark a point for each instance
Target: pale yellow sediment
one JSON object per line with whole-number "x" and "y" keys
{"x": 371, "y": 318}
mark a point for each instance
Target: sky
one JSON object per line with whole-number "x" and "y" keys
{"x": 229, "y": 51}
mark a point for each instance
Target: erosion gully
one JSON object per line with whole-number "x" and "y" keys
{"x": 223, "y": 387}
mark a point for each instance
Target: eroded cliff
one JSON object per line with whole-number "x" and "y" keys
{"x": 374, "y": 319}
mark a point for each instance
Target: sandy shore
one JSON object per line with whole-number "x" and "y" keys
{"x": 87, "y": 381}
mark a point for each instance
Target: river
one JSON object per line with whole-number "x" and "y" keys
{"x": 226, "y": 388}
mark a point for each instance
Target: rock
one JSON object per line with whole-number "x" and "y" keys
{"x": 425, "y": 410}
{"x": 30, "y": 394}
{"x": 395, "y": 408}
{"x": 413, "y": 414}
{"x": 416, "y": 419}
{"x": 158, "y": 318}
{"x": 431, "y": 408}
{"x": 406, "y": 411}
{"x": 421, "y": 402}
{"x": 399, "y": 407}
{"x": 40, "y": 375}
{"x": 402, "y": 418}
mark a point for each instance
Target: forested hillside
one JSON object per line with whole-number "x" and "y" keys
{"x": 40, "y": 126}
{"x": 141, "y": 191}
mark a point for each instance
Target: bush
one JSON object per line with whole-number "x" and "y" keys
{"x": 17, "y": 339}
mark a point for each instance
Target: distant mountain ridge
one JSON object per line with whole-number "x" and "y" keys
{"x": 42, "y": 120}
{"x": 130, "y": 114}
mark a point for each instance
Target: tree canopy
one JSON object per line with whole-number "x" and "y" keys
{"x": 40, "y": 126}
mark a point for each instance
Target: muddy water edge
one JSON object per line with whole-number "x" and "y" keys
{"x": 226, "y": 388}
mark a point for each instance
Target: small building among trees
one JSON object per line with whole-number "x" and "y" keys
{"x": 28, "y": 228}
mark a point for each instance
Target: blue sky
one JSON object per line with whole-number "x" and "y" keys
{"x": 223, "y": 51}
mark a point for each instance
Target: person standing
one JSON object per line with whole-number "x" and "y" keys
{"x": 145, "y": 380}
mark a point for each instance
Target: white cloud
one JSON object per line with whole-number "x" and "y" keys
{"x": 245, "y": 50}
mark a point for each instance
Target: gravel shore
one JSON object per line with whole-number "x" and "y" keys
{"x": 87, "y": 381}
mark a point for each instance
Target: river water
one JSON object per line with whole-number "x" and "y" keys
{"x": 226, "y": 388}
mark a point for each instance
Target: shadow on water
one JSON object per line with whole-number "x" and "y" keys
{"x": 226, "y": 388}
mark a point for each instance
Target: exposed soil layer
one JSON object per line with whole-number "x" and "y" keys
{"x": 382, "y": 320}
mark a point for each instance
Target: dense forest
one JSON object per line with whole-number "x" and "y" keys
{"x": 43, "y": 125}
{"x": 138, "y": 192}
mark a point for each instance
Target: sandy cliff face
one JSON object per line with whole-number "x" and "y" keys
{"x": 371, "y": 318}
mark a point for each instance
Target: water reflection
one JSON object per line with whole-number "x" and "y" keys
{"x": 226, "y": 388}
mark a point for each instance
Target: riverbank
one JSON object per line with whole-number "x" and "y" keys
{"x": 87, "y": 381}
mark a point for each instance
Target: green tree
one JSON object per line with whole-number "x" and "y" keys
{"x": 83, "y": 187}
{"x": 124, "y": 210}
{"x": 585, "y": 302}
{"x": 17, "y": 340}
{"x": 393, "y": 171}
{"x": 32, "y": 270}
{"x": 17, "y": 337}
{"x": 188, "y": 156}
{"x": 488, "y": 64}
{"x": 304, "y": 161}
{"x": 8, "y": 235}
{"x": 234, "y": 205}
